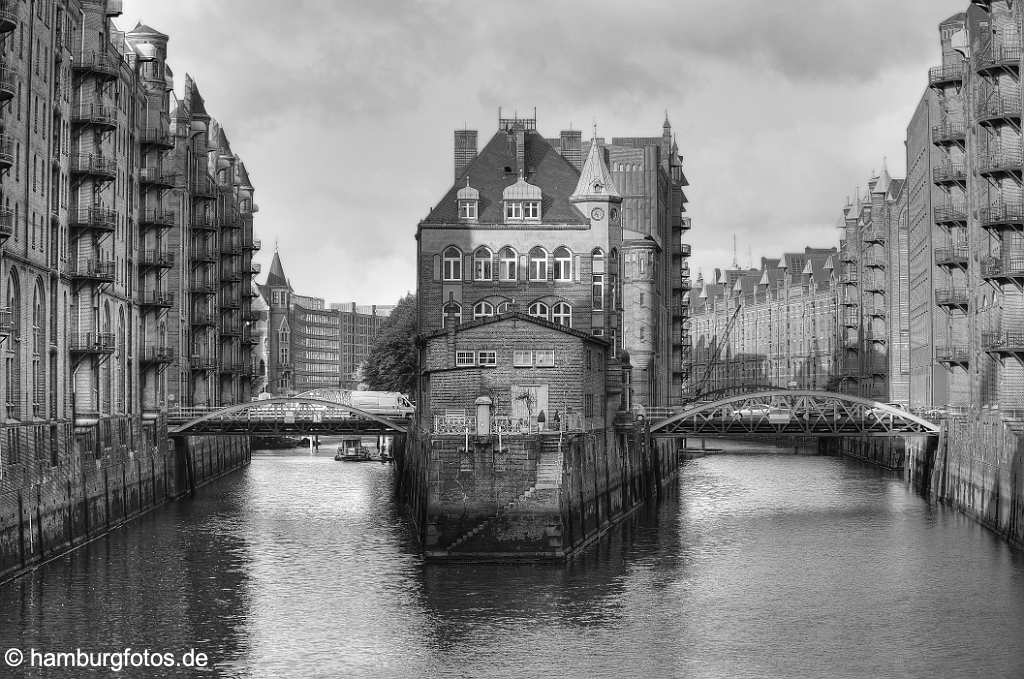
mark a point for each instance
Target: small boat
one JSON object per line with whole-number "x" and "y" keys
{"x": 352, "y": 450}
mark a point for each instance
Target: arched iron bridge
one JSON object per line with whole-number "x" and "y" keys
{"x": 289, "y": 415}
{"x": 791, "y": 412}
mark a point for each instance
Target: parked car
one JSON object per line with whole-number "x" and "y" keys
{"x": 752, "y": 412}
{"x": 382, "y": 403}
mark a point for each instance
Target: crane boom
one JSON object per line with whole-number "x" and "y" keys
{"x": 713, "y": 359}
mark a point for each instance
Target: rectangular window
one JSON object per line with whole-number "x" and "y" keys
{"x": 531, "y": 209}
{"x": 467, "y": 209}
{"x": 513, "y": 209}
{"x": 597, "y": 288}
{"x": 464, "y": 359}
{"x": 538, "y": 268}
{"x": 588, "y": 405}
{"x": 522, "y": 359}
{"x": 545, "y": 358}
{"x": 487, "y": 358}
{"x": 482, "y": 269}
{"x": 598, "y": 332}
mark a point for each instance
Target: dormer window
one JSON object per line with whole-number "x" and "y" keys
{"x": 469, "y": 202}
{"x": 522, "y": 202}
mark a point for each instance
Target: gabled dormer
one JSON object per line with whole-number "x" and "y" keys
{"x": 469, "y": 203}
{"x": 522, "y": 201}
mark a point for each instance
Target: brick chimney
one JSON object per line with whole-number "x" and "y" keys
{"x": 465, "y": 150}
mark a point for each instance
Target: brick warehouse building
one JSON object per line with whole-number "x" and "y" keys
{"x": 102, "y": 171}
{"x": 583, "y": 235}
{"x": 309, "y": 345}
{"x": 785, "y": 332}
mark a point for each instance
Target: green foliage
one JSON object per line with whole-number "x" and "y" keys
{"x": 391, "y": 365}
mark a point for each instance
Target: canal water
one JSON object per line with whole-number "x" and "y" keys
{"x": 759, "y": 566}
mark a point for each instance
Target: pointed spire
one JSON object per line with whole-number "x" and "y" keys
{"x": 884, "y": 180}
{"x": 666, "y": 125}
{"x": 276, "y": 275}
{"x": 595, "y": 180}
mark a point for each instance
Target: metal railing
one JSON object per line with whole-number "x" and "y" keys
{"x": 157, "y": 176}
{"x": 946, "y": 73}
{"x": 255, "y": 268}
{"x": 100, "y": 218}
{"x": 1003, "y": 52}
{"x": 95, "y": 114}
{"x": 6, "y": 223}
{"x": 958, "y": 353}
{"x": 92, "y": 342}
{"x": 951, "y": 296}
{"x": 93, "y": 269}
{"x": 1000, "y": 161}
{"x": 1010, "y": 265}
{"x": 157, "y": 217}
{"x": 203, "y": 222}
{"x": 1011, "y": 342}
{"x": 8, "y": 81}
{"x": 999, "y": 106}
{"x": 875, "y": 261}
{"x": 953, "y": 255}
{"x": 946, "y": 214}
{"x": 157, "y": 298}
{"x": 203, "y": 317}
{"x": 949, "y": 172}
{"x": 8, "y": 16}
{"x": 156, "y": 354}
{"x": 101, "y": 62}
{"x": 156, "y": 258}
{"x": 1001, "y": 214}
{"x": 6, "y": 321}
{"x": 156, "y": 136}
{"x": 93, "y": 164}
{"x": 948, "y": 131}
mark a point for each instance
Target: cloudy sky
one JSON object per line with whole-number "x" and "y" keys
{"x": 343, "y": 110}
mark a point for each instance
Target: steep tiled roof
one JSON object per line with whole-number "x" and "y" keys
{"x": 142, "y": 29}
{"x": 197, "y": 107}
{"x": 519, "y": 315}
{"x": 545, "y": 168}
{"x": 276, "y": 275}
{"x": 595, "y": 180}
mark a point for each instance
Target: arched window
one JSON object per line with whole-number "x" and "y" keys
{"x": 483, "y": 310}
{"x": 561, "y": 313}
{"x": 538, "y": 264}
{"x": 482, "y": 268}
{"x": 38, "y": 351}
{"x": 283, "y": 344}
{"x": 12, "y": 360}
{"x": 503, "y": 308}
{"x": 597, "y": 260}
{"x": 508, "y": 265}
{"x": 122, "y": 362}
{"x": 539, "y": 310}
{"x": 452, "y": 264}
{"x": 563, "y": 264}
{"x": 451, "y": 314}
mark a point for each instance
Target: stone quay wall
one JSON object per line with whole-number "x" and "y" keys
{"x": 60, "y": 488}
{"x": 534, "y": 497}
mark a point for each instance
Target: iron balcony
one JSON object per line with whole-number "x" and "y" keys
{"x": 6, "y": 223}
{"x": 1002, "y": 216}
{"x": 230, "y": 303}
{"x": 157, "y": 217}
{"x": 1007, "y": 268}
{"x": 849, "y": 278}
{"x": 949, "y": 173}
{"x": 952, "y": 298}
{"x": 156, "y": 299}
{"x": 203, "y": 188}
{"x": 94, "y": 165}
{"x": 999, "y": 108}
{"x": 1001, "y": 163}
{"x": 875, "y": 261}
{"x": 876, "y": 310}
{"x": 851, "y": 320}
{"x": 874, "y": 284}
{"x": 1004, "y": 53}
{"x": 875, "y": 234}
{"x": 952, "y": 256}
{"x": 250, "y": 291}
{"x": 952, "y": 354}
{"x": 231, "y": 329}
{"x": 252, "y": 244}
{"x": 203, "y": 254}
{"x": 8, "y": 16}
{"x": 156, "y": 259}
{"x": 945, "y": 75}
{"x": 202, "y": 222}
{"x": 230, "y": 249}
{"x": 947, "y": 215}
{"x": 157, "y": 177}
{"x": 93, "y": 218}
{"x": 230, "y": 276}
{"x": 99, "y": 62}
{"x": 202, "y": 317}
{"x": 231, "y": 367}
{"x": 201, "y": 287}
{"x": 9, "y": 80}
{"x": 92, "y": 343}
{"x": 95, "y": 270}
{"x": 6, "y": 151}
{"x": 1003, "y": 343}
{"x": 156, "y": 355}
{"x": 254, "y": 269}
{"x": 249, "y": 337}
{"x": 202, "y": 362}
{"x": 251, "y": 316}
{"x": 157, "y": 137}
{"x": 6, "y": 321}
{"x": 949, "y": 133}
{"x": 97, "y": 115}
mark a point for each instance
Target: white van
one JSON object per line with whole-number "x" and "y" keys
{"x": 389, "y": 403}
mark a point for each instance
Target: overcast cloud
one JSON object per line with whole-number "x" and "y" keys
{"x": 343, "y": 111}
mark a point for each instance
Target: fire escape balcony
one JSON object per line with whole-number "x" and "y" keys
{"x": 230, "y": 303}
{"x": 6, "y": 321}
{"x": 94, "y": 219}
{"x": 953, "y": 256}
{"x": 202, "y": 362}
{"x": 203, "y": 254}
{"x": 156, "y": 259}
{"x": 95, "y": 166}
{"x": 202, "y": 317}
{"x": 106, "y": 65}
{"x": 950, "y": 215}
{"x": 92, "y": 343}
{"x": 114, "y": 8}
{"x": 875, "y": 234}
{"x": 9, "y": 80}
{"x": 250, "y": 292}
{"x": 8, "y": 16}
{"x": 999, "y": 109}
{"x": 6, "y": 224}
{"x": 231, "y": 220}
{"x": 875, "y": 261}
{"x": 953, "y": 354}
{"x": 849, "y": 278}
{"x": 876, "y": 310}
{"x": 1006, "y": 216}
{"x": 203, "y": 188}
{"x": 847, "y": 256}
{"x": 201, "y": 287}
{"x": 157, "y": 137}
{"x": 681, "y": 310}
{"x": 1006, "y": 268}
{"x": 683, "y": 283}
{"x": 6, "y": 151}
{"x": 228, "y": 275}
{"x": 1001, "y": 163}
{"x": 230, "y": 249}
{"x": 93, "y": 271}
{"x": 952, "y": 298}
{"x": 97, "y": 115}
{"x": 1004, "y": 343}
{"x": 157, "y": 178}
{"x": 202, "y": 222}
{"x": 254, "y": 245}
{"x": 156, "y": 355}
{"x": 230, "y": 329}
{"x": 1003, "y": 54}
{"x": 157, "y": 218}
{"x": 254, "y": 269}
{"x": 874, "y": 284}
{"x": 231, "y": 368}
{"x": 249, "y": 336}
{"x": 156, "y": 299}
{"x": 946, "y": 75}
{"x": 949, "y": 133}
{"x": 851, "y": 319}
{"x": 949, "y": 173}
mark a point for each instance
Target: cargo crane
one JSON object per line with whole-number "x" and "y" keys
{"x": 713, "y": 358}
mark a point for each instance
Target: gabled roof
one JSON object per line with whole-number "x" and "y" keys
{"x": 595, "y": 180}
{"x": 517, "y": 315}
{"x": 545, "y": 168}
{"x": 142, "y": 29}
{"x": 197, "y": 107}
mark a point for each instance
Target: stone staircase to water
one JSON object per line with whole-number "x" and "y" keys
{"x": 549, "y": 476}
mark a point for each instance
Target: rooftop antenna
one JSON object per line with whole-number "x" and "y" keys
{"x": 735, "y": 261}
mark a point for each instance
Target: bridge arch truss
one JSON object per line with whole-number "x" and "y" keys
{"x": 290, "y": 415}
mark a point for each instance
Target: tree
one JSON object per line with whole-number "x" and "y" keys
{"x": 391, "y": 364}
